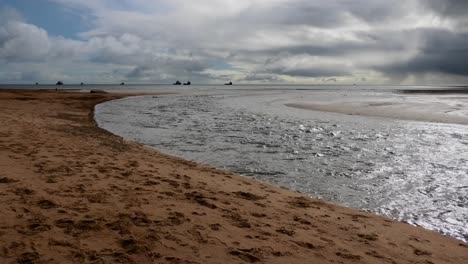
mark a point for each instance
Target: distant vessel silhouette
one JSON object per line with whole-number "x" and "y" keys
{"x": 229, "y": 83}
{"x": 177, "y": 83}
{"x": 59, "y": 83}
{"x": 37, "y": 83}
{"x": 122, "y": 83}
{"x": 187, "y": 83}
{"x": 81, "y": 83}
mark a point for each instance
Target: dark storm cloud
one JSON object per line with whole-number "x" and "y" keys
{"x": 442, "y": 51}
{"x": 304, "y": 13}
{"x": 324, "y": 14}
{"x": 169, "y": 67}
{"x": 373, "y": 43}
{"x": 311, "y": 71}
{"x": 457, "y": 8}
{"x": 140, "y": 71}
{"x": 262, "y": 77}
{"x": 375, "y": 11}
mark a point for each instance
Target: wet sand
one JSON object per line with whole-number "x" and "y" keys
{"x": 415, "y": 111}
{"x": 72, "y": 192}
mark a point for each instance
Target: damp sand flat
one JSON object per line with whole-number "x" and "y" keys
{"x": 428, "y": 105}
{"x": 72, "y": 192}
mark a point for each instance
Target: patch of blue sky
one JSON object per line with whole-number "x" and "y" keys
{"x": 221, "y": 65}
{"x": 54, "y": 18}
{"x": 152, "y": 7}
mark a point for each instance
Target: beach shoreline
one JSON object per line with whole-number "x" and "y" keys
{"x": 73, "y": 192}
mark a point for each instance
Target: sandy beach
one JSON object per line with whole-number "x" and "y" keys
{"x": 71, "y": 192}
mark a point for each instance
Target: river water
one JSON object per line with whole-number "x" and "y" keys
{"x": 411, "y": 171}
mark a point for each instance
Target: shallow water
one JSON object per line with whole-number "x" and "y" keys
{"x": 411, "y": 171}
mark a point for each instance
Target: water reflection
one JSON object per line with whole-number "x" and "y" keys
{"x": 415, "y": 172}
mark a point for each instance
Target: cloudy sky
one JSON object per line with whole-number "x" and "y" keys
{"x": 248, "y": 41}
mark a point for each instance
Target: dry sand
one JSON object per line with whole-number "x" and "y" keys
{"x": 73, "y": 193}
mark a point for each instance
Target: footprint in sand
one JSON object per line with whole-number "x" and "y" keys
{"x": 236, "y": 219}
{"x": 176, "y": 218}
{"x": 23, "y": 191}
{"x": 28, "y": 257}
{"x": 151, "y": 183}
{"x": 308, "y": 245}
{"x": 244, "y": 255}
{"x": 348, "y": 256}
{"x": 131, "y": 246}
{"x": 47, "y": 204}
{"x": 200, "y": 199}
{"x": 286, "y": 231}
{"x": 215, "y": 227}
{"x": 301, "y": 220}
{"x": 37, "y": 228}
{"x": 258, "y": 215}
{"x": 7, "y": 180}
{"x": 370, "y": 237}
{"x": 248, "y": 196}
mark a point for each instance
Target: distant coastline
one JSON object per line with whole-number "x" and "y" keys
{"x": 449, "y": 90}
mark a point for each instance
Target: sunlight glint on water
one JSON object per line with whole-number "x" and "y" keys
{"x": 411, "y": 171}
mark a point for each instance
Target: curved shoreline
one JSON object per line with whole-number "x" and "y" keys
{"x": 80, "y": 193}
{"x": 341, "y": 161}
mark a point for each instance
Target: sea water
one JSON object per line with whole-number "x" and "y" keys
{"x": 412, "y": 171}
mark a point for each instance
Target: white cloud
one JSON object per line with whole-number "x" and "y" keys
{"x": 23, "y": 42}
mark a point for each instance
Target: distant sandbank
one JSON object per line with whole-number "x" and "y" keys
{"x": 440, "y": 106}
